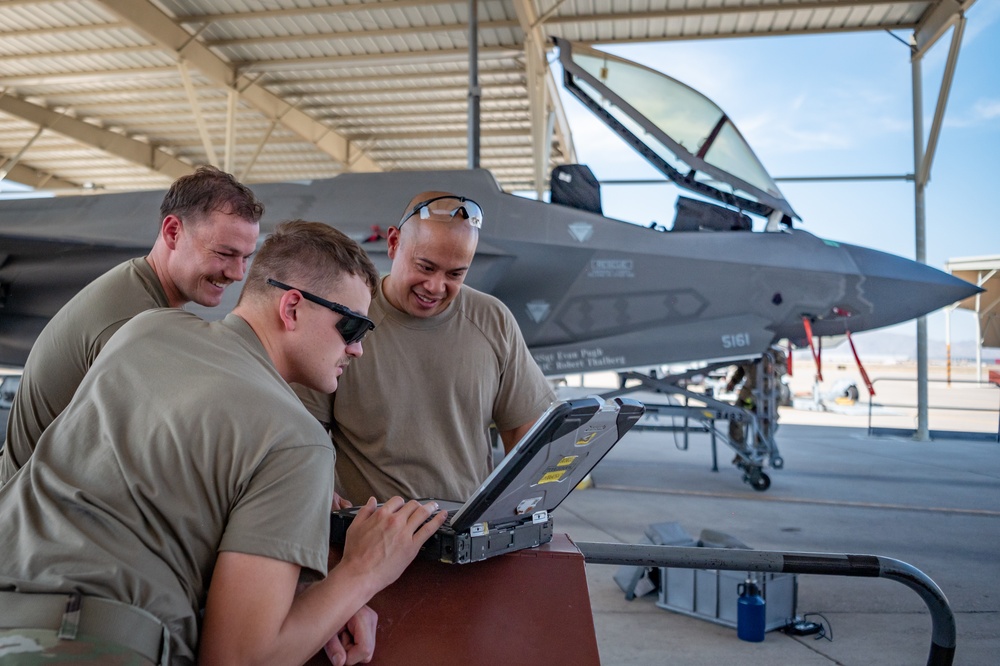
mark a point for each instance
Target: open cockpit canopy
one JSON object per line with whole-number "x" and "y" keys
{"x": 682, "y": 133}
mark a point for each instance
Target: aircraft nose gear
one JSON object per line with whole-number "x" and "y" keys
{"x": 753, "y": 420}
{"x": 758, "y": 480}
{"x": 752, "y": 467}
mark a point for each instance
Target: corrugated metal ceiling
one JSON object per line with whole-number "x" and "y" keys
{"x": 129, "y": 94}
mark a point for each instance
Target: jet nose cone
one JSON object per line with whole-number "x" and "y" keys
{"x": 904, "y": 289}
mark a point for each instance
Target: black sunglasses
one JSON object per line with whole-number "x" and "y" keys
{"x": 353, "y": 327}
{"x": 467, "y": 209}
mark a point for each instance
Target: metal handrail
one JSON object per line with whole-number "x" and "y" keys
{"x": 872, "y": 403}
{"x": 942, "y": 651}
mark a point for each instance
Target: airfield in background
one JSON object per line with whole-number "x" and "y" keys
{"x": 966, "y": 404}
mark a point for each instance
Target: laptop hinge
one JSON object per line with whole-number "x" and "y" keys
{"x": 539, "y": 517}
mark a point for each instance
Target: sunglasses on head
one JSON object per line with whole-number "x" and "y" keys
{"x": 353, "y": 327}
{"x": 467, "y": 209}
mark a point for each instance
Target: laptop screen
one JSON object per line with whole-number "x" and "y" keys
{"x": 563, "y": 446}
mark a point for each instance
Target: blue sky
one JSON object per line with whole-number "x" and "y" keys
{"x": 840, "y": 104}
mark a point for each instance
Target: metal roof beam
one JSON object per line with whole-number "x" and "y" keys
{"x": 521, "y": 125}
{"x": 543, "y": 95}
{"x": 420, "y": 116}
{"x": 199, "y": 117}
{"x": 25, "y": 175}
{"x": 418, "y": 103}
{"x": 431, "y": 136}
{"x": 359, "y": 34}
{"x": 311, "y": 11}
{"x": 51, "y": 30}
{"x": 936, "y": 22}
{"x": 119, "y": 145}
{"x": 59, "y": 81}
{"x": 379, "y": 59}
{"x": 94, "y": 76}
{"x": 160, "y": 29}
{"x": 750, "y": 33}
{"x": 458, "y": 163}
{"x": 25, "y": 3}
{"x": 11, "y": 162}
{"x": 429, "y": 90}
{"x": 457, "y": 153}
{"x": 150, "y": 107}
{"x": 462, "y": 74}
{"x": 72, "y": 54}
{"x": 924, "y": 172}
{"x": 722, "y": 10}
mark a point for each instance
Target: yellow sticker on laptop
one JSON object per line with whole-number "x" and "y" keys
{"x": 568, "y": 460}
{"x": 586, "y": 439}
{"x": 553, "y": 477}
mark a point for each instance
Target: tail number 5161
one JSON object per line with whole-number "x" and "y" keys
{"x": 735, "y": 340}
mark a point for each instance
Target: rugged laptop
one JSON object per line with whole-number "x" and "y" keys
{"x": 510, "y": 510}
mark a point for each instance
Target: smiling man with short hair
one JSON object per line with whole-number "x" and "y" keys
{"x": 208, "y": 230}
{"x": 447, "y": 361}
{"x": 145, "y": 503}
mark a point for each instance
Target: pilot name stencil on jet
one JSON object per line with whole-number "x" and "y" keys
{"x": 584, "y": 359}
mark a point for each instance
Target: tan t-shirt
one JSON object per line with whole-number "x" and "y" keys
{"x": 67, "y": 347}
{"x": 182, "y": 441}
{"x": 412, "y": 415}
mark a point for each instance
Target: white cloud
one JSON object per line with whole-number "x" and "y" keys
{"x": 986, "y": 109}
{"x": 982, "y": 112}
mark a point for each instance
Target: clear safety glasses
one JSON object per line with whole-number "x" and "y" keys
{"x": 466, "y": 209}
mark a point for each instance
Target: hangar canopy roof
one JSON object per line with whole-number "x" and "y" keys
{"x": 130, "y": 94}
{"x": 983, "y": 272}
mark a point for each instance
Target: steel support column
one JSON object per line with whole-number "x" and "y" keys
{"x": 922, "y": 161}
{"x": 922, "y": 434}
{"x": 474, "y": 90}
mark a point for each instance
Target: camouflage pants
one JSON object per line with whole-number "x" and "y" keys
{"x": 34, "y": 647}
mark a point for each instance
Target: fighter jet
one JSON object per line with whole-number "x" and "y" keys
{"x": 589, "y": 292}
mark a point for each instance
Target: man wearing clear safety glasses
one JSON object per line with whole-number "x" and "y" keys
{"x": 412, "y": 417}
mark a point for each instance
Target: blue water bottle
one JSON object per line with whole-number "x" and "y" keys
{"x": 750, "y": 613}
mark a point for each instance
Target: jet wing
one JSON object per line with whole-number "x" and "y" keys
{"x": 47, "y": 273}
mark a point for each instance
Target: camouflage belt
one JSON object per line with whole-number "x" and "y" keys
{"x": 73, "y": 614}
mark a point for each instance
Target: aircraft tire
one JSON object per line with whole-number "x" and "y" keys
{"x": 759, "y": 481}
{"x": 784, "y": 395}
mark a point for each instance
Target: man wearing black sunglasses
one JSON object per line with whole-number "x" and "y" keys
{"x": 145, "y": 503}
{"x": 446, "y": 362}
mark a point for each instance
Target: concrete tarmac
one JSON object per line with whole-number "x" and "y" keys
{"x": 934, "y": 505}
